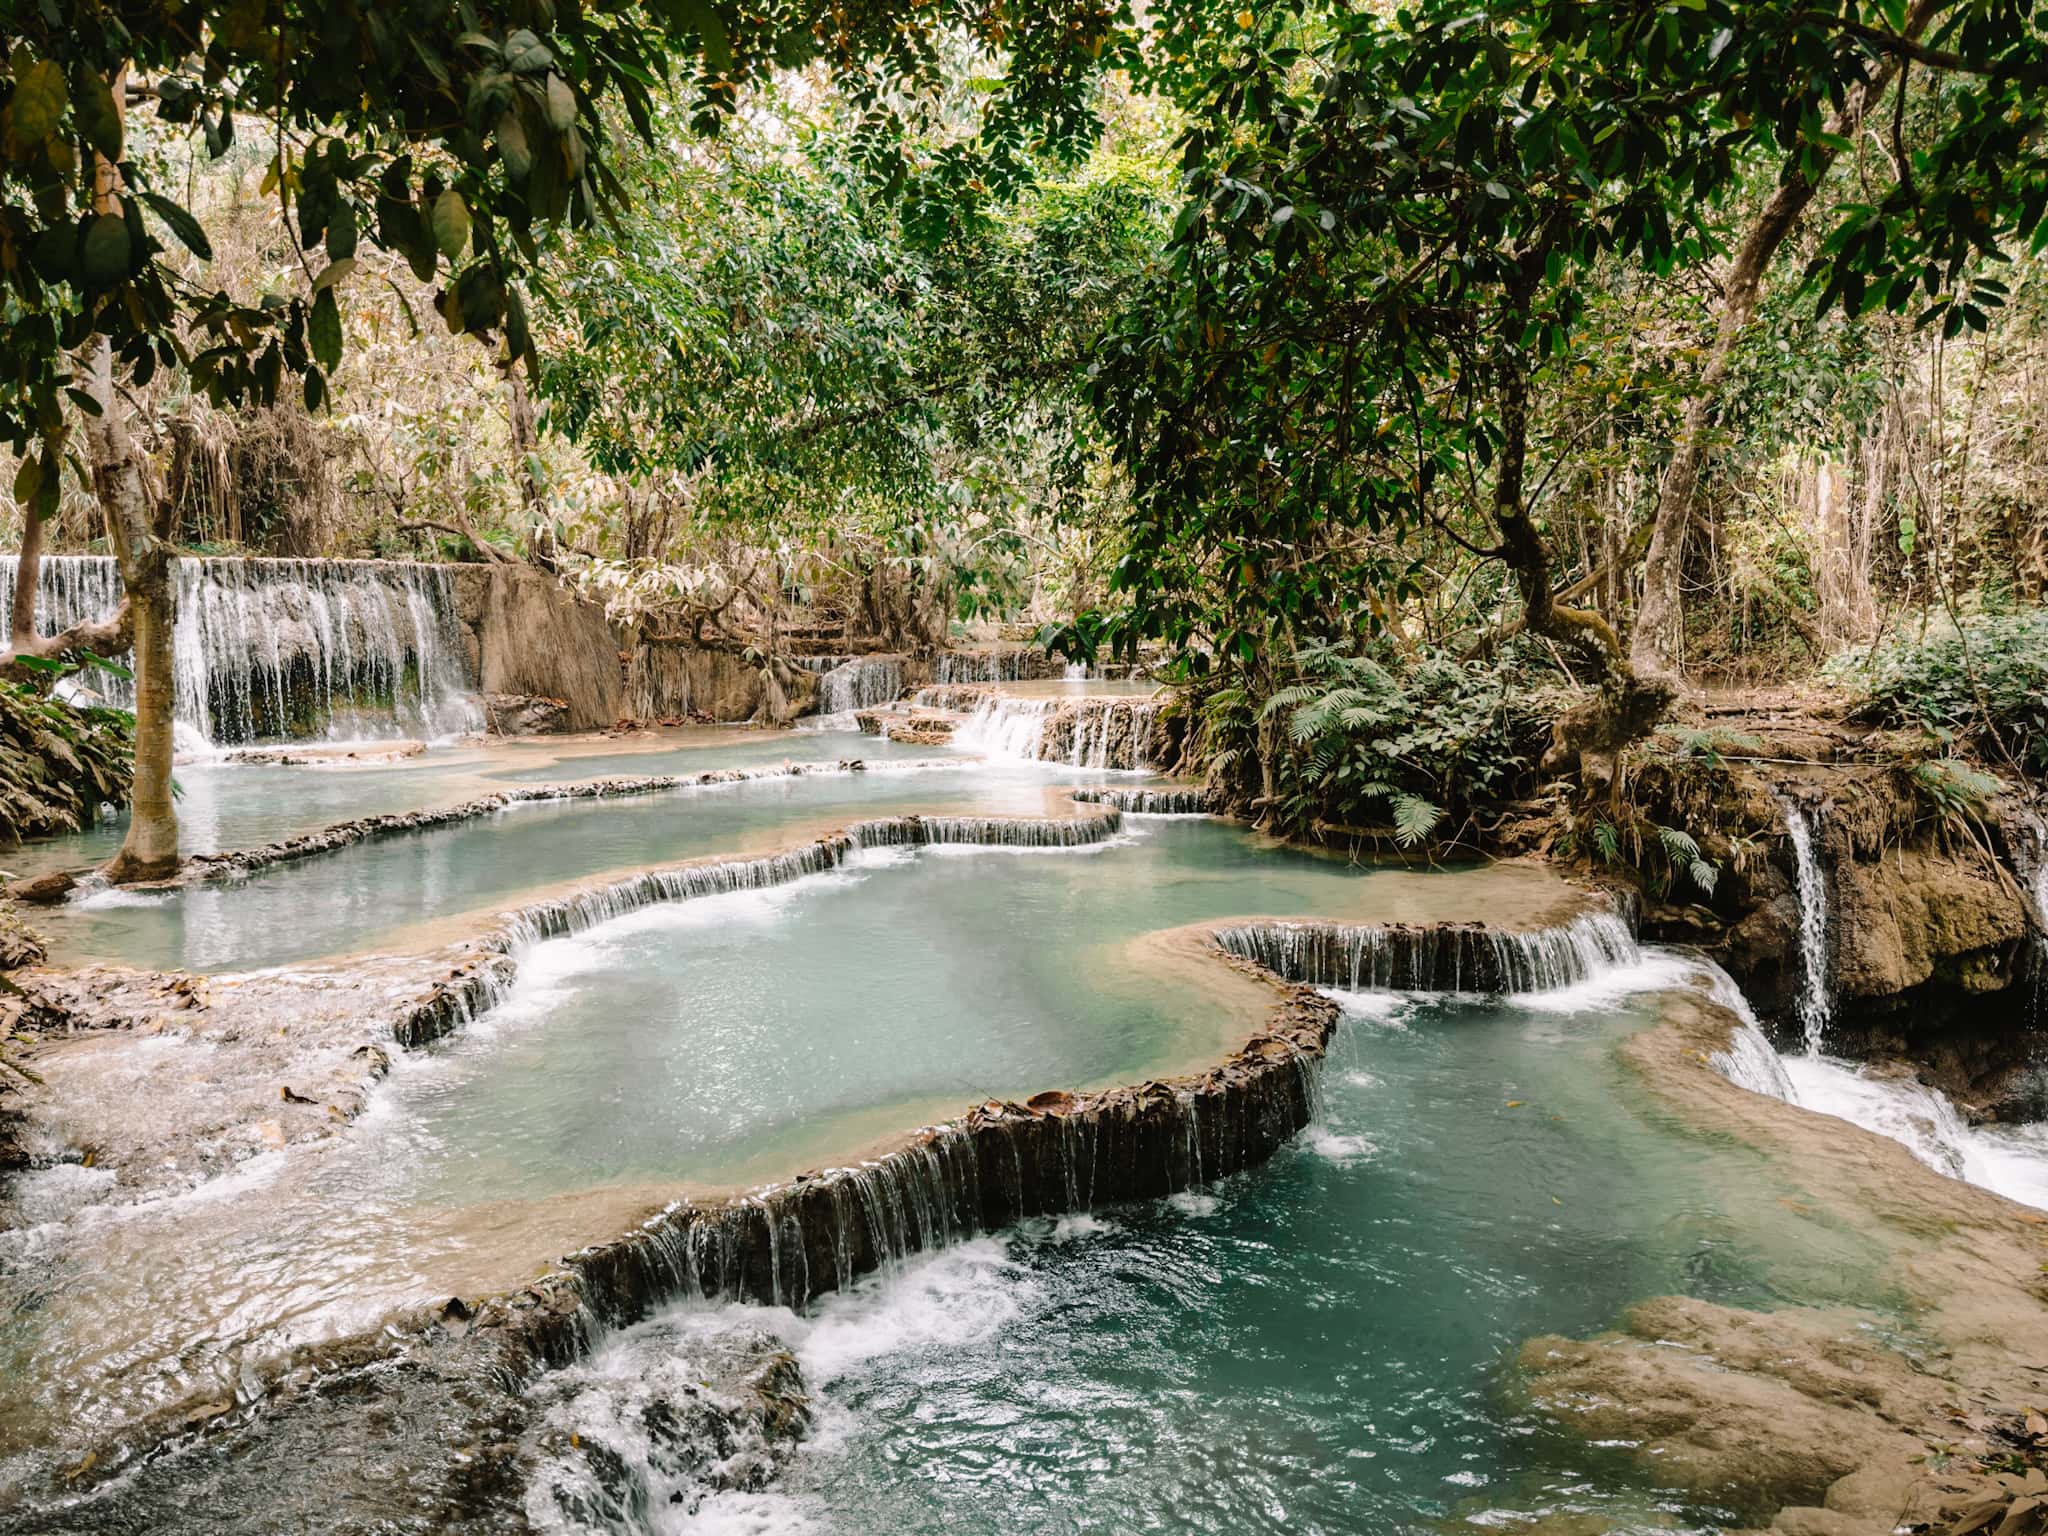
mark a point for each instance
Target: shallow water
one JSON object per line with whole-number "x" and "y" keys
{"x": 224, "y": 804}
{"x": 1321, "y": 1345}
{"x": 400, "y": 893}
{"x": 694, "y": 1044}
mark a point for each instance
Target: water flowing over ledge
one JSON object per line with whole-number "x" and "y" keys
{"x": 1149, "y": 802}
{"x": 237, "y": 863}
{"x": 268, "y": 649}
{"x": 1110, "y": 733}
{"x": 1450, "y": 957}
{"x": 1055, "y": 1153}
{"x": 482, "y": 977}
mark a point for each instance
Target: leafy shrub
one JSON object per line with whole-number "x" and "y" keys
{"x": 1416, "y": 741}
{"x": 59, "y": 763}
{"x": 1985, "y": 682}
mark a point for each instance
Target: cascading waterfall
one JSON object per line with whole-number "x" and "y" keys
{"x": 1816, "y": 1001}
{"x": 1447, "y": 958}
{"x": 1149, "y": 802}
{"x": 485, "y": 980}
{"x": 860, "y": 682}
{"x": 1081, "y": 733}
{"x": 274, "y": 649}
{"x": 1002, "y": 666}
{"x": 1005, "y": 727}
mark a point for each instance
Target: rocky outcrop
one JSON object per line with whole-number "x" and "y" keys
{"x": 1924, "y": 914}
{"x": 1850, "y": 1420}
{"x": 538, "y": 639}
{"x": 667, "y": 681}
{"x": 524, "y": 714}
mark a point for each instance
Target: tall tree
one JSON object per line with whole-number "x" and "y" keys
{"x": 1392, "y": 221}
{"x": 450, "y": 133}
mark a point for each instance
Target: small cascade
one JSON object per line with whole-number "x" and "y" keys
{"x": 1816, "y": 1000}
{"x": 1149, "y": 802}
{"x": 1749, "y": 1061}
{"x": 286, "y": 649}
{"x": 859, "y": 682}
{"x": 483, "y": 982}
{"x": 1116, "y": 734}
{"x": 1447, "y": 957}
{"x": 991, "y": 666}
{"x": 1005, "y": 727}
{"x": 1101, "y": 733}
{"x": 1075, "y": 672}
{"x": 1060, "y": 1152}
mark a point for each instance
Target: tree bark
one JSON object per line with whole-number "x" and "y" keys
{"x": 21, "y": 628}
{"x": 143, "y": 557}
{"x": 1654, "y": 647}
{"x": 142, "y": 553}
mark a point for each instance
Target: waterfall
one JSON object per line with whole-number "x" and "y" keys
{"x": 994, "y": 666}
{"x": 1005, "y": 727}
{"x": 1816, "y": 1002}
{"x": 1749, "y": 1062}
{"x": 1149, "y": 802}
{"x": 859, "y": 682}
{"x": 1081, "y": 733}
{"x": 482, "y": 981}
{"x": 275, "y": 649}
{"x": 1450, "y": 957}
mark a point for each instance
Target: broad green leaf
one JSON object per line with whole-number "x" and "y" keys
{"x": 182, "y": 224}
{"x": 527, "y": 54}
{"x": 451, "y": 224}
{"x": 323, "y": 331}
{"x": 105, "y": 251}
{"x": 513, "y": 146}
{"x": 38, "y": 104}
{"x": 98, "y": 118}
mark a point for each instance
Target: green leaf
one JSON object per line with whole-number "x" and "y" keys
{"x": 98, "y": 118}
{"x": 181, "y": 224}
{"x": 38, "y": 104}
{"x": 334, "y": 272}
{"x": 701, "y": 18}
{"x": 28, "y": 479}
{"x": 561, "y": 104}
{"x": 513, "y": 146}
{"x": 451, "y": 223}
{"x": 527, "y": 54}
{"x": 324, "y": 330}
{"x": 105, "y": 251}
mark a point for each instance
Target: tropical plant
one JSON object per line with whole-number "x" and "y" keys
{"x": 1982, "y": 680}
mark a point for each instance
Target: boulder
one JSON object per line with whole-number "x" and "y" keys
{"x": 539, "y": 640}
{"x": 1917, "y": 914}
{"x": 524, "y": 714}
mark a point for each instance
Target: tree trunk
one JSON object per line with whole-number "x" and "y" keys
{"x": 144, "y": 559}
{"x": 21, "y": 628}
{"x": 142, "y": 553}
{"x": 1587, "y": 739}
{"x": 1655, "y": 645}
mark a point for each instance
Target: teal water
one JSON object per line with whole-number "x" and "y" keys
{"x": 697, "y": 1044}
{"x": 223, "y": 805}
{"x": 1318, "y": 1346}
{"x": 709, "y": 1039}
{"x": 389, "y": 893}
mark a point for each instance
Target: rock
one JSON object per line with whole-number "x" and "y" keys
{"x": 538, "y": 639}
{"x": 44, "y": 890}
{"x": 1916, "y": 914}
{"x": 524, "y": 714}
{"x": 665, "y": 680}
